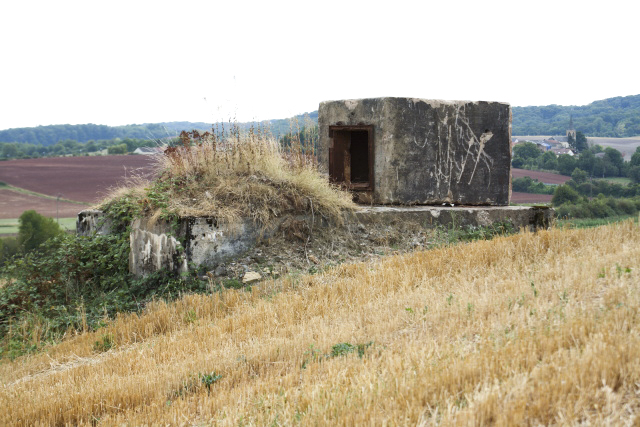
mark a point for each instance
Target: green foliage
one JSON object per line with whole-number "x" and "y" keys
{"x": 528, "y": 185}
{"x": 563, "y": 194}
{"x": 580, "y": 143}
{"x": 635, "y": 159}
{"x": 105, "y": 343}
{"x": 566, "y": 164}
{"x": 579, "y": 176}
{"x": 73, "y": 282}
{"x": 209, "y": 379}
{"x": 470, "y": 233}
{"x": 526, "y": 150}
{"x": 118, "y": 149}
{"x": 634, "y": 174}
{"x": 345, "y": 348}
{"x": 548, "y": 161}
{"x": 613, "y": 117}
{"x": 599, "y": 207}
{"x": 66, "y": 147}
{"x": 35, "y": 229}
{"x": 9, "y": 247}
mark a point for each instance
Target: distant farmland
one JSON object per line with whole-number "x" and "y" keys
{"x": 544, "y": 177}
{"x": 80, "y": 179}
{"x": 83, "y": 179}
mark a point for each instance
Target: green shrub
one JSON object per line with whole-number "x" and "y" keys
{"x": 35, "y": 229}
{"x": 564, "y": 194}
{"x": 72, "y": 282}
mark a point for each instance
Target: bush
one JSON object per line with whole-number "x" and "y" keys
{"x": 600, "y": 207}
{"x": 564, "y": 194}
{"x": 35, "y": 229}
{"x": 72, "y": 282}
{"x": 528, "y": 185}
{"x": 579, "y": 176}
{"x": 8, "y": 249}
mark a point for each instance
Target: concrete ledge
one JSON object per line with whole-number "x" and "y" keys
{"x": 480, "y": 216}
{"x": 203, "y": 243}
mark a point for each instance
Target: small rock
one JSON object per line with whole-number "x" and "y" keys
{"x": 251, "y": 277}
{"x": 220, "y": 271}
{"x": 313, "y": 259}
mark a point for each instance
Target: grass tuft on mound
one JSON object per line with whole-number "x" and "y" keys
{"x": 234, "y": 175}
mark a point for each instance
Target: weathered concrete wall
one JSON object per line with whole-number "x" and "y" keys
{"x": 533, "y": 218}
{"x": 91, "y": 222}
{"x": 210, "y": 243}
{"x": 205, "y": 244}
{"x": 430, "y": 151}
{"x": 154, "y": 248}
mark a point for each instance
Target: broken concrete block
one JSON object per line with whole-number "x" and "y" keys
{"x": 418, "y": 151}
{"x": 251, "y": 277}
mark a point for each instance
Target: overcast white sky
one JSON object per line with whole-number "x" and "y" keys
{"x": 124, "y": 62}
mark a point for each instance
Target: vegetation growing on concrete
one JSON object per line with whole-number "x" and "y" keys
{"x": 233, "y": 175}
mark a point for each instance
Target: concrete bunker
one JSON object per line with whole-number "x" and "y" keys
{"x": 404, "y": 152}
{"x": 410, "y": 151}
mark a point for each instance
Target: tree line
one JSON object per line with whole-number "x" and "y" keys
{"x": 70, "y": 147}
{"x": 595, "y": 161}
{"x": 51, "y": 135}
{"x": 612, "y": 117}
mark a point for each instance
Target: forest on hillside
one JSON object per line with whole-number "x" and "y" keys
{"x": 51, "y": 135}
{"x": 613, "y": 117}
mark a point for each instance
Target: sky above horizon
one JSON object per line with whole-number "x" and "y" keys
{"x": 118, "y": 63}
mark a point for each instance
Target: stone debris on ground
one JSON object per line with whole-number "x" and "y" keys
{"x": 251, "y": 277}
{"x": 327, "y": 247}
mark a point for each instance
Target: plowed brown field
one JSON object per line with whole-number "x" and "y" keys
{"x": 530, "y": 198}
{"x": 83, "y": 179}
{"x": 544, "y": 177}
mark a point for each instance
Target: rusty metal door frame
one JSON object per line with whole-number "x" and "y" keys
{"x": 335, "y": 170}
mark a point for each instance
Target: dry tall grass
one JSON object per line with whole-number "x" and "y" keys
{"x": 238, "y": 175}
{"x": 529, "y": 329}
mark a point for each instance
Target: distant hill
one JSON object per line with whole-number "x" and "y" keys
{"x": 50, "y": 135}
{"x": 613, "y": 117}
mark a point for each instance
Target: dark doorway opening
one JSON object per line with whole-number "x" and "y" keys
{"x": 351, "y": 156}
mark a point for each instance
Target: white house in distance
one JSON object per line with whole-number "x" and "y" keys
{"x": 149, "y": 150}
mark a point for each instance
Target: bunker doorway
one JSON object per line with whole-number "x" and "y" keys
{"x": 351, "y": 156}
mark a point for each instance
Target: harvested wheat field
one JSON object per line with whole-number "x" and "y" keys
{"x": 528, "y": 329}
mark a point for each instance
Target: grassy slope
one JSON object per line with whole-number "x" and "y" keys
{"x": 533, "y": 328}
